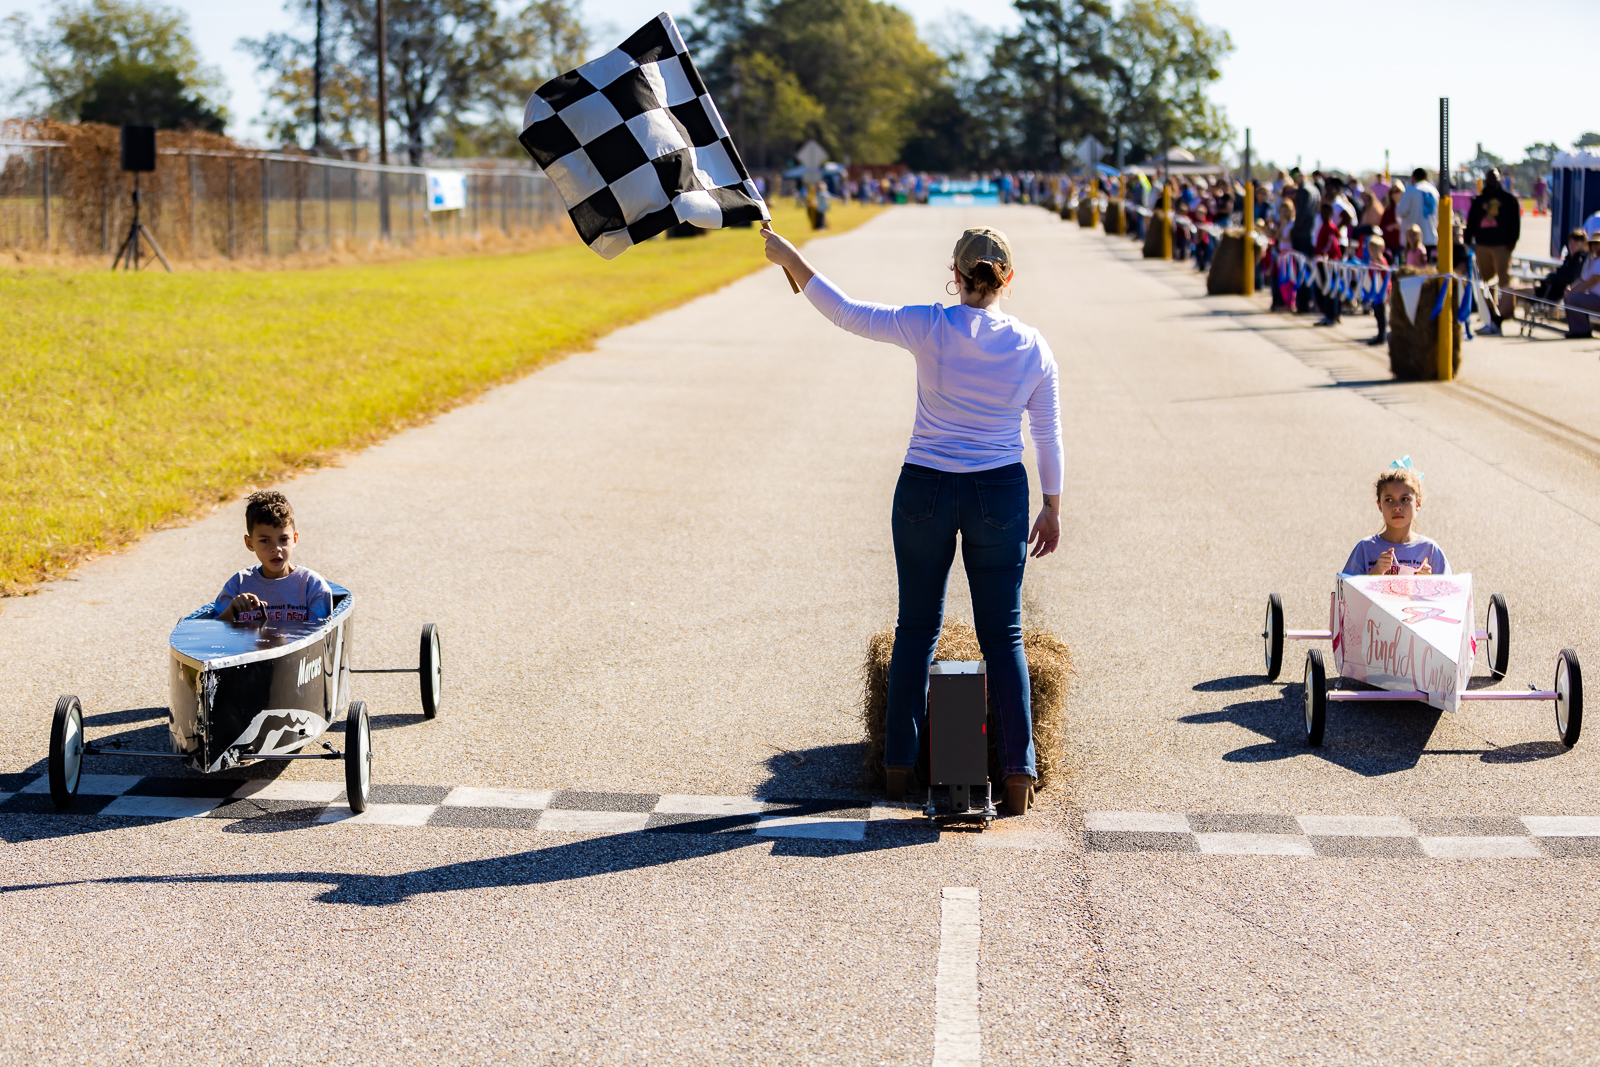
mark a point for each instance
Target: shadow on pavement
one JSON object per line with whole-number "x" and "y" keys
{"x": 576, "y": 860}
{"x": 823, "y": 771}
{"x": 1371, "y": 739}
{"x": 1526, "y": 752}
{"x": 1232, "y": 684}
{"x": 149, "y": 733}
{"x": 803, "y": 782}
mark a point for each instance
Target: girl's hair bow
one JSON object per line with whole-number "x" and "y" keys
{"x": 1404, "y": 463}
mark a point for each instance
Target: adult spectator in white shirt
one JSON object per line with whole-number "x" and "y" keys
{"x": 1419, "y": 206}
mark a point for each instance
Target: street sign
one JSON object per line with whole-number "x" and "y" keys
{"x": 812, "y": 155}
{"x": 1089, "y": 150}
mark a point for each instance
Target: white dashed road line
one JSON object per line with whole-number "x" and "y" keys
{"x": 957, "y": 1039}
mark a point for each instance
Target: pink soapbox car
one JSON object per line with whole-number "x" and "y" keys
{"x": 1411, "y": 636}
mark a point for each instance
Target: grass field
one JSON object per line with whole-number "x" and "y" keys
{"x": 132, "y": 401}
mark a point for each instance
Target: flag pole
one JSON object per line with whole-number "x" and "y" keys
{"x": 765, "y": 225}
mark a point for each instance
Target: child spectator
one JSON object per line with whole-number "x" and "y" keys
{"x": 1283, "y": 292}
{"x": 1416, "y": 254}
{"x": 1330, "y": 248}
{"x": 276, "y": 591}
{"x": 1377, "y": 255}
{"x": 1397, "y": 550}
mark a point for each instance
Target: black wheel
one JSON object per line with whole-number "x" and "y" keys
{"x": 66, "y": 750}
{"x": 1316, "y": 697}
{"x": 1497, "y": 624}
{"x": 357, "y": 756}
{"x": 1569, "y": 697}
{"x": 1272, "y": 637}
{"x": 430, "y": 670}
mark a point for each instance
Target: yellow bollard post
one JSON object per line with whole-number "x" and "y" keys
{"x": 1166, "y": 221}
{"x": 1447, "y": 315}
{"x": 1249, "y": 238}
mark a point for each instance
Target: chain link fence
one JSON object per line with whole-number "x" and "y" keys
{"x": 70, "y": 196}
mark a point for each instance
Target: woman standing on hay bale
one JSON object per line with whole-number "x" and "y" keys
{"x": 978, "y": 371}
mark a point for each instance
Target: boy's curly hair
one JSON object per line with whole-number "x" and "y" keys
{"x": 1405, "y": 476}
{"x": 267, "y": 508}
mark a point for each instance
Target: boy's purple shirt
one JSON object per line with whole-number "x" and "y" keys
{"x": 1367, "y": 551}
{"x": 302, "y": 595}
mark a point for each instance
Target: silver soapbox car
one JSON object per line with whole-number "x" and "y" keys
{"x": 240, "y": 692}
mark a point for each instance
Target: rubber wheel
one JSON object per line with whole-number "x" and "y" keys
{"x": 1272, "y": 636}
{"x": 66, "y": 751}
{"x": 1497, "y": 624}
{"x": 357, "y": 756}
{"x": 1316, "y": 698}
{"x": 1569, "y": 697}
{"x": 430, "y": 670}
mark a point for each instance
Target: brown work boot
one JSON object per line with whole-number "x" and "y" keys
{"x": 902, "y": 780}
{"x": 1019, "y": 793}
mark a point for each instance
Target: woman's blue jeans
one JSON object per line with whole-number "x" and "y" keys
{"x": 989, "y": 509}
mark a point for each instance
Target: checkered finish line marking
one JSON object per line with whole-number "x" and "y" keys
{"x": 1435, "y": 836}
{"x": 548, "y": 810}
{"x": 634, "y": 144}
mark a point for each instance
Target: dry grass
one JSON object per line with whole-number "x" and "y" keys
{"x": 1414, "y": 346}
{"x": 1152, "y": 234}
{"x": 1049, "y": 672}
{"x": 132, "y": 401}
{"x": 1227, "y": 265}
{"x": 1109, "y": 218}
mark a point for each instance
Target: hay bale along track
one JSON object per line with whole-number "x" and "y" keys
{"x": 1414, "y": 346}
{"x": 1227, "y": 266}
{"x": 1152, "y": 235}
{"x": 1112, "y": 217}
{"x": 1049, "y": 671}
{"x": 1086, "y": 213}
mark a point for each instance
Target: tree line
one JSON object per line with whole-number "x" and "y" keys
{"x": 855, "y": 75}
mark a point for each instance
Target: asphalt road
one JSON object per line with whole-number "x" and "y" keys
{"x": 655, "y": 567}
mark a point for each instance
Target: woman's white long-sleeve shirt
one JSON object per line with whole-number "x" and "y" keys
{"x": 977, "y": 372}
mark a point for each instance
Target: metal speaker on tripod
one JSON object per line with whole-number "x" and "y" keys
{"x": 138, "y": 157}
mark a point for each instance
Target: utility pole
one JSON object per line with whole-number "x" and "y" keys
{"x": 1249, "y": 205}
{"x": 383, "y": 117}
{"x": 1445, "y": 322}
{"x": 316, "y": 86}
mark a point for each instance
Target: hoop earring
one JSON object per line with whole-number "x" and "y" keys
{"x": 952, "y": 292}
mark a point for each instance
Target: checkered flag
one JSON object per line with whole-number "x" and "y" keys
{"x": 635, "y": 145}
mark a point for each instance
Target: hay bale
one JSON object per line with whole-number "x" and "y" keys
{"x": 1049, "y": 669}
{"x": 1086, "y": 213}
{"x": 1152, "y": 235}
{"x": 1227, "y": 265}
{"x": 1113, "y": 218}
{"x": 1414, "y": 346}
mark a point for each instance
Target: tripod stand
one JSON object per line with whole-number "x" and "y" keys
{"x": 128, "y": 254}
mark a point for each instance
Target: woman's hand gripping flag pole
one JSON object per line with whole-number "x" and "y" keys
{"x": 792, "y": 283}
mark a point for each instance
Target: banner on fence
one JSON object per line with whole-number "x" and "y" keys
{"x": 447, "y": 190}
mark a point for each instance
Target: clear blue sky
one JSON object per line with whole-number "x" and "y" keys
{"x": 1292, "y": 78}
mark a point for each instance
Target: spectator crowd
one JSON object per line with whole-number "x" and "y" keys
{"x": 1328, "y": 242}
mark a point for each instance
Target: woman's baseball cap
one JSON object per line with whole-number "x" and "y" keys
{"x": 981, "y": 244}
